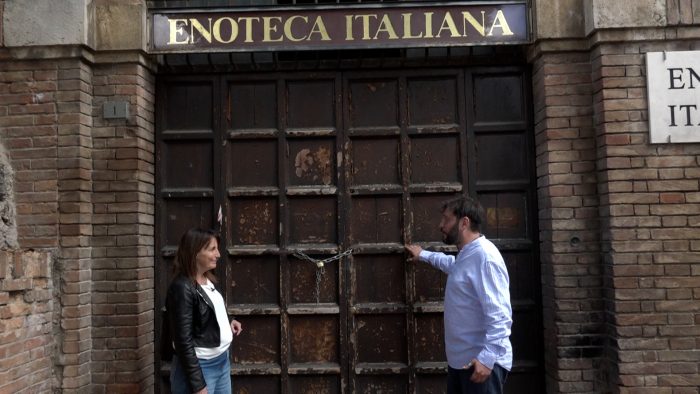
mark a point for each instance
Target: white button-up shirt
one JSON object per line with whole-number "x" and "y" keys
{"x": 478, "y": 315}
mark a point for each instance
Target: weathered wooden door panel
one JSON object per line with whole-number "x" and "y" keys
{"x": 376, "y": 220}
{"x": 257, "y": 384}
{"x": 282, "y": 195}
{"x": 401, "y": 157}
{"x": 503, "y": 180}
{"x": 385, "y": 271}
{"x": 187, "y": 180}
{"x": 260, "y": 351}
{"x": 313, "y": 385}
{"x": 253, "y": 280}
{"x": 431, "y": 383}
{"x": 303, "y": 289}
{"x": 320, "y": 163}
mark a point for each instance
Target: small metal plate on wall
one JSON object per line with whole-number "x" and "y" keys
{"x": 115, "y": 110}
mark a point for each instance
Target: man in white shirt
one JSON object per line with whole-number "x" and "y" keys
{"x": 478, "y": 315}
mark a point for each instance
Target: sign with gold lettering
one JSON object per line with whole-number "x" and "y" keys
{"x": 346, "y": 27}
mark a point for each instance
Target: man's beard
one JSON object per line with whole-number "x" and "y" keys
{"x": 451, "y": 237}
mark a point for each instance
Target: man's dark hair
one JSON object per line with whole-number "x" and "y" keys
{"x": 466, "y": 206}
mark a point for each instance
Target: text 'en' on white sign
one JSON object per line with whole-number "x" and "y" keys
{"x": 673, "y": 89}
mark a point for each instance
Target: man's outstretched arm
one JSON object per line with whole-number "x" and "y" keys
{"x": 439, "y": 260}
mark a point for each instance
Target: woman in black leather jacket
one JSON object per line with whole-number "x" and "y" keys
{"x": 198, "y": 321}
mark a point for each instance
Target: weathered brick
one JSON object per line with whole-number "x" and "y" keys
{"x": 672, "y": 198}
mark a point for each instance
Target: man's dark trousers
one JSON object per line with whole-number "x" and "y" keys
{"x": 458, "y": 381}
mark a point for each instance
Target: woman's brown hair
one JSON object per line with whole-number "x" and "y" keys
{"x": 192, "y": 241}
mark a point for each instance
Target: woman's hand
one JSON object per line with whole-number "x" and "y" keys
{"x": 236, "y": 327}
{"x": 202, "y": 391}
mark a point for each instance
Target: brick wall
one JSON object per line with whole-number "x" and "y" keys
{"x": 123, "y": 232}
{"x": 650, "y": 208}
{"x": 84, "y": 189}
{"x": 46, "y": 129}
{"x": 568, "y": 204}
{"x": 26, "y": 322}
{"x": 74, "y": 167}
{"x": 8, "y": 224}
{"x": 27, "y": 129}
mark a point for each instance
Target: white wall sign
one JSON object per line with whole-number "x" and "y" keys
{"x": 673, "y": 89}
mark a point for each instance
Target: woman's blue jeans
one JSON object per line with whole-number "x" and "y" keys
{"x": 217, "y": 375}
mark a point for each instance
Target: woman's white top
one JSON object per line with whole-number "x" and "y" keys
{"x": 226, "y": 335}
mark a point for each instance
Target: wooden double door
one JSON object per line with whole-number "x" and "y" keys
{"x": 324, "y": 164}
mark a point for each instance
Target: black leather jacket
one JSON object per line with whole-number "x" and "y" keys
{"x": 192, "y": 321}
